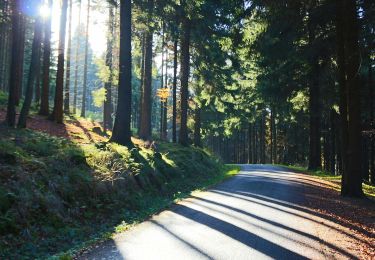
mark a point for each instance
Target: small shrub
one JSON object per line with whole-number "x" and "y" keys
{"x": 3, "y": 98}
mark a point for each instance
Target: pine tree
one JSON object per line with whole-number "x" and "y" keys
{"x": 185, "y": 72}
{"x": 44, "y": 101}
{"x": 67, "y": 71}
{"x": 84, "y": 94}
{"x": 33, "y": 71}
{"x": 11, "y": 109}
{"x": 57, "y": 113}
{"x": 121, "y": 131}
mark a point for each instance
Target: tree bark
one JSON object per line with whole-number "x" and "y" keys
{"x": 37, "y": 79}
{"x": 44, "y": 102}
{"x": 75, "y": 88}
{"x": 145, "y": 131}
{"x": 162, "y": 104}
{"x": 273, "y": 136}
{"x": 11, "y": 108}
{"x": 372, "y": 120}
{"x": 352, "y": 181}
{"x": 249, "y": 148}
{"x": 142, "y": 80}
{"x": 67, "y": 72}
{"x": 121, "y": 130}
{"x": 20, "y": 62}
{"x": 174, "y": 91}
{"x": 33, "y": 70}
{"x": 341, "y": 60}
{"x": 84, "y": 91}
{"x": 108, "y": 107}
{"x": 315, "y": 161}
{"x": 185, "y": 72}
{"x": 263, "y": 138}
{"x": 57, "y": 113}
{"x": 165, "y": 105}
{"x": 3, "y": 44}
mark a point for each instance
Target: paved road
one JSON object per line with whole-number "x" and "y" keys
{"x": 259, "y": 214}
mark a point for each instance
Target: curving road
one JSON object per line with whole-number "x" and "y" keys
{"x": 259, "y": 214}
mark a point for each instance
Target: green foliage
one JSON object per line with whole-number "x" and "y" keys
{"x": 99, "y": 97}
{"x": 3, "y": 98}
{"x": 73, "y": 195}
{"x": 103, "y": 70}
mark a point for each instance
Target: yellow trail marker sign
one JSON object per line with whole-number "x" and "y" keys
{"x": 163, "y": 94}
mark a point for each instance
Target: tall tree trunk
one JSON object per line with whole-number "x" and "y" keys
{"x": 2, "y": 57}
{"x": 165, "y": 105}
{"x": 3, "y": 44}
{"x": 263, "y": 138}
{"x": 21, "y": 49}
{"x": 185, "y": 72}
{"x": 315, "y": 130}
{"x": 67, "y": 72}
{"x": 352, "y": 181}
{"x": 57, "y": 113}
{"x": 75, "y": 88}
{"x": 253, "y": 143}
{"x": 84, "y": 91}
{"x": 332, "y": 140}
{"x": 108, "y": 107}
{"x": 34, "y": 69}
{"x": 197, "y": 128}
{"x": 145, "y": 131}
{"x": 174, "y": 91}
{"x": 273, "y": 139}
{"x": 121, "y": 130}
{"x": 315, "y": 161}
{"x": 341, "y": 60}
{"x": 162, "y": 85}
{"x": 372, "y": 120}
{"x": 44, "y": 102}
{"x": 7, "y": 58}
{"x": 142, "y": 80}
{"x": 11, "y": 109}
{"x": 37, "y": 83}
{"x": 249, "y": 148}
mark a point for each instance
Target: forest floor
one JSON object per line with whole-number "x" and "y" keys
{"x": 76, "y": 129}
{"x": 357, "y": 214}
{"x": 64, "y": 187}
{"x": 333, "y": 180}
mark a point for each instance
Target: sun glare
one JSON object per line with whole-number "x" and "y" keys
{"x": 44, "y": 11}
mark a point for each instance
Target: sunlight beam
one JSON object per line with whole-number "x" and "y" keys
{"x": 44, "y": 11}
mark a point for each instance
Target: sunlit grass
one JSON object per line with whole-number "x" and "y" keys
{"x": 335, "y": 180}
{"x": 90, "y": 191}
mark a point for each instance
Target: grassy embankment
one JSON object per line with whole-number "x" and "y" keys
{"x": 59, "y": 195}
{"x": 368, "y": 189}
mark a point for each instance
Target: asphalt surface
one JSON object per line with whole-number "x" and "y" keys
{"x": 259, "y": 214}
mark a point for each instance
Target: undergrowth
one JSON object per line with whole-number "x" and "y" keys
{"x": 368, "y": 189}
{"x": 57, "y": 196}
{"x": 3, "y": 99}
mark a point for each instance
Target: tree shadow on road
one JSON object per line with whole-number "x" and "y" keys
{"x": 276, "y": 224}
{"x": 247, "y": 190}
{"x": 247, "y": 238}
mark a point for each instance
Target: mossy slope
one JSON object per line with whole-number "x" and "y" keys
{"x": 55, "y": 195}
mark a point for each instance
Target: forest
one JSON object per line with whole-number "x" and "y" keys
{"x": 119, "y": 105}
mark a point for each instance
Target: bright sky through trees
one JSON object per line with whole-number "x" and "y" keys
{"x": 97, "y": 29}
{"x": 44, "y": 11}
